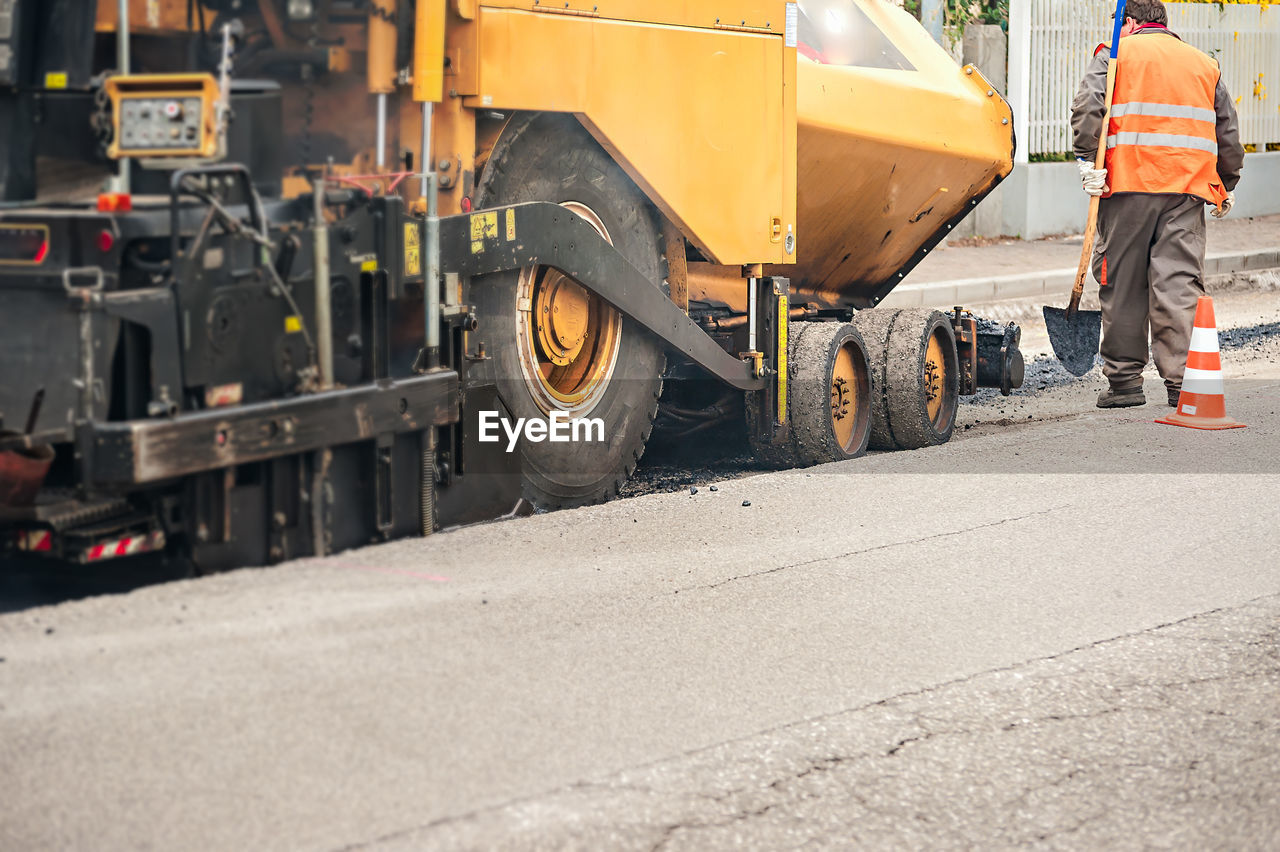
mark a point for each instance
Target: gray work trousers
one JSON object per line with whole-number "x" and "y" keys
{"x": 1153, "y": 250}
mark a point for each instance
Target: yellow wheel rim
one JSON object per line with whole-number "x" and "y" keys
{"x": 935, "y": 379}
{"x": 568, "y": 337}
{"x": 845, "y": 381}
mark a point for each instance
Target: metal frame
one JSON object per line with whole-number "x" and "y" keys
{"x": 540, "y": 233}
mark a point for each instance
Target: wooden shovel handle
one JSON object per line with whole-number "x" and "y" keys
{"x": 1086, "y": 252}
{"x": 1091, "y": 226}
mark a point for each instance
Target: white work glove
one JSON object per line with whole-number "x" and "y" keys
{"x": 1225, "y": 207}
{"x": 1093, "y": 180}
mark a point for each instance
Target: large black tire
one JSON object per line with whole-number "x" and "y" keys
{"x": 550, "y": 157}
{"x": 812, "y": 352}
{"x": 904, "y": 382}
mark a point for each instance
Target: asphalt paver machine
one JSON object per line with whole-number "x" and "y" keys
{"x": 266, "y": 266}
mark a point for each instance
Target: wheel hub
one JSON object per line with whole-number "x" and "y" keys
{"x": 563, "y": 309}
{"x": 568, "y": 337}
{"x": 839, "y": 398}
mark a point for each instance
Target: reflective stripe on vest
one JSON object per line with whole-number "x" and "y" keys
{"x": 1164, "y": 110}
{"x": 1163, "y": 132}
{"x": 1162, "y": 140}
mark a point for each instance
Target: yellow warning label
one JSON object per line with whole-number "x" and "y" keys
{"x": 511, "y": 225}
{"x": 412, "y": 249}
{"x": 484, "y": 226}
{"x": 292, "y": 324}
{"x": 371, "y": 265}
{"x": 55, "y": 80}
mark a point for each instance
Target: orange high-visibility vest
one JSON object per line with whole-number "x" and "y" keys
{"x": 1163, "y": 132}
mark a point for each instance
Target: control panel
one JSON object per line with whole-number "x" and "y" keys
{"x": 164, "y": 116}
{"x": 152, "y": 124}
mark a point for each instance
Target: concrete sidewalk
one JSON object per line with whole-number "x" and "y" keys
{"x": 1015, "y": 269}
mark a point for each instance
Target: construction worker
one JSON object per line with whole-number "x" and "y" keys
{"x": 1173, "y": 146}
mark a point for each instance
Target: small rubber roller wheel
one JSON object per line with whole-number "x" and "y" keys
{"x": 874, "y": 325}
{"x": 915, "y": 377}
{"x": 828, "y": 397}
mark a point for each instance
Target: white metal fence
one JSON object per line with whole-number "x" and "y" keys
{"x": 1051, "y": 43}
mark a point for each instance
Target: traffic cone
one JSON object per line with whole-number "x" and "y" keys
{"x": 1202, "y": 404}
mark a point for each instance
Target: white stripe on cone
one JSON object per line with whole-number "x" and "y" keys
{"x": 1208, "y": 382}
{"x": 1204, "y": 339}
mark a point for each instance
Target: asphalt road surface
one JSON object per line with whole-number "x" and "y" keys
{"x": 1059, "y": 630}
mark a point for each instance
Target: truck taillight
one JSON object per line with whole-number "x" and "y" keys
{"x": 23, "y": 245}
{"x": 115, "y": 202}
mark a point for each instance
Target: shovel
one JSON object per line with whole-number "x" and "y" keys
{"x": 1076, "y": 334}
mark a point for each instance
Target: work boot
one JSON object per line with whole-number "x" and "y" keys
{"x": 1121, "y": 398}
{"x": 1174, "y": 393}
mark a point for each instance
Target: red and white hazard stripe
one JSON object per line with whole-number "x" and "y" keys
{"x": 35, "y": 541}
{"x": 127, "y": 546}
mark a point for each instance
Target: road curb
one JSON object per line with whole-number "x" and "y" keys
{"x": 1052, "y": 282}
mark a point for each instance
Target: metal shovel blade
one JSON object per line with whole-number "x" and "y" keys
{"x": 1075, "y": 340}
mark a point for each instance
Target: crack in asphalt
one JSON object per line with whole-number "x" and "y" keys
{"x": 1072, "y": 829}
{"x": 669, "y": 831}
{"x": 888, "y": 546}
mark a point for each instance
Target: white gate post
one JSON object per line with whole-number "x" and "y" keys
{"x": 1020, "y": 74}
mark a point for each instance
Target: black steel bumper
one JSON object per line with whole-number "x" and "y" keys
{"x": 142, "y": 451}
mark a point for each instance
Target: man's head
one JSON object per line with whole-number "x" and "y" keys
{"x": 1145, "y": 12}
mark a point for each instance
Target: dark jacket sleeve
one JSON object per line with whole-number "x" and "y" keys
{"x": 1088, "y": 109}
{"x": 1230, "y": 151}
